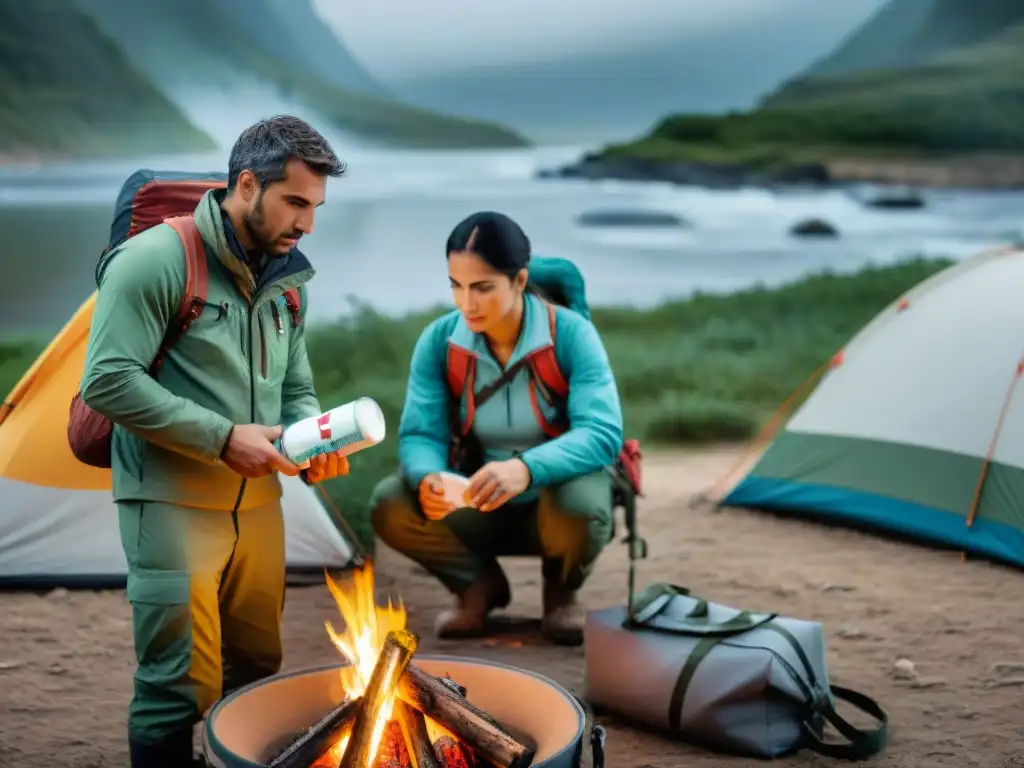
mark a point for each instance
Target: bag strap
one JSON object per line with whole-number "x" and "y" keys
{"x": 649, "y": 607}
{"x": 485, "y": 394}
{"x": 193, "y": 298}
{"x": 544, "y": 362}
{"x": 636, "y": 546}
{"x": 862, "y": 743}
{"x": 461, "y": 372}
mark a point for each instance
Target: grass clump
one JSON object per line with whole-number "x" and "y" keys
{"x": 706, "y": 368}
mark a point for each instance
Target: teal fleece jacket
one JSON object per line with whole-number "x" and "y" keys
{"x": 506, "y": 424}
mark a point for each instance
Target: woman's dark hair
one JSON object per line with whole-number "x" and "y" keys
{"x": 495, "y": 238}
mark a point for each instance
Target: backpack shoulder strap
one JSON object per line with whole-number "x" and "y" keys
{"x": 461, "y": 367}
{"x": 293, "y": 298}
{"x": 193, "y": 298}
{"x": 545, "y": 362}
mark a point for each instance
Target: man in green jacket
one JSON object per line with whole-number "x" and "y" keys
{"x": 193, "y": 459}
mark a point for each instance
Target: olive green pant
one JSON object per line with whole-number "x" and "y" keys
{"x": 207, "y": 592}
{"x": 567, "y": 526}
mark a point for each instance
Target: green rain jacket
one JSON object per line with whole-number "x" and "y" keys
{"x": 241, "y": 362}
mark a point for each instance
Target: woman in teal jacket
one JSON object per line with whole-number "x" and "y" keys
{"x": 529, "y": 493}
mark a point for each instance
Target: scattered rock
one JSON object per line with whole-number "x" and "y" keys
{"x": 813, "y": 228}
{"x": 630, "y": 218}
{"x": 904, "y": 669}
{"x": 896, "y": 198}
{"x": 56, "y": 669}
{"x": 927, "y": 682}
{"x": 849, "y": 633}
{"x": 829, "y": 587}
{"x": 6, "y": 665}
{"x": 1003, "y": 668}
{"x": 57, "y": 594}
{"x": 1006, "y": 682}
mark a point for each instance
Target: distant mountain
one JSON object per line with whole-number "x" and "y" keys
{"x": 67, "y": 89}
{"x": 227, "y": 62}
{"x": 623, "y": 91}
{"x": 904, "y": 33}
{"x": 302, "y": 41}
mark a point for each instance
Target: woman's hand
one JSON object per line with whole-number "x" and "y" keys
{"x": 496, "y": 483}
{"x": 325, "y": 466}
{"x": 432, "y": 500}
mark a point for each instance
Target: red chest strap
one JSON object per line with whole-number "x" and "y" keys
{"x": 546, "y": 375}
{"x": 461, "y": 376}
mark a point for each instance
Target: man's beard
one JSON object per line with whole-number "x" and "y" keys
{"x": 255, "y": 225}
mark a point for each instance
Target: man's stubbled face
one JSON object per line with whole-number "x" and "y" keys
{"x": 283, "y": 212}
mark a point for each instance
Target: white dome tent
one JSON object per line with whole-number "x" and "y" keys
{"x": 918, "y": 425}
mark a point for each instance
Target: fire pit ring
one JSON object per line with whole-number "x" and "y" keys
{"x": 243, "y": 729}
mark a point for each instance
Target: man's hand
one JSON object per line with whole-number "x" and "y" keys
{"x": 250, "y": 452}
{"x": 324, "y": 466}
{"x": 497, "y": 482}
{"x": 432, "y": 500}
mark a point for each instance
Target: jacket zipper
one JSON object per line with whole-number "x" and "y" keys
{"x": 263, "y": 346}
{"x": 252, "y": 416}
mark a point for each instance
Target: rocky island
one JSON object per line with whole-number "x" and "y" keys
{"x": 927, "y": 93}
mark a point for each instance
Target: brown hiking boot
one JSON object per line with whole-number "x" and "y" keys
{"x": 469, "y": 617}
{"x": 563, "y": 618}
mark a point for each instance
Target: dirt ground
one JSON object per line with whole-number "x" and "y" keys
{"x": 66, "y": 658}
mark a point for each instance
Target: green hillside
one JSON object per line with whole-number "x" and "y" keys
{"x": 191, "y": 44}
{"x": 67, "y": 89}
{"x": 907, "y": 32}
{"x": 968, "y": 100}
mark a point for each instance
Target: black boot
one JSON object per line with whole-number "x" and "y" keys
{"x": 169, "y": 752}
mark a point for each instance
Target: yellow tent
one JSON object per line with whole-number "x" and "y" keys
{"x": 58, "y": 525}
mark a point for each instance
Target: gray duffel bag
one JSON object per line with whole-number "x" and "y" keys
{"x": 735, "y": 681}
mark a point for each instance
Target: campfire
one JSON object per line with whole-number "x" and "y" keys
{"x": 395, "y": 715}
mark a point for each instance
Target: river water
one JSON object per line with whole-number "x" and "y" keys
{"x": 380, "y": 237}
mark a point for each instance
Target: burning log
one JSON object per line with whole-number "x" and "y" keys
{"x": 406, "y": 718}
{"x": 393, "y": 751}
{"x": 453, "y": 753}
{"x": 417, "y": 739}
{"x": 320, "y": 737}
{"x": 369, "y": 725}
{"x": 481, "y": 733}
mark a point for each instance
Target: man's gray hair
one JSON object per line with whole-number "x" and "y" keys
{"x": 266, "y": 147}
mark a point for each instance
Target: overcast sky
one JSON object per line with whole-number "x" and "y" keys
{"x": 397, "y": 37}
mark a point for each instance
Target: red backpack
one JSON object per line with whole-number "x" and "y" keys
{"x": 146, "y": 199}
{"x": 547, "y": 382}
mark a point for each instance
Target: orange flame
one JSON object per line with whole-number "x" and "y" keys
{"x": 366, "y": 626}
